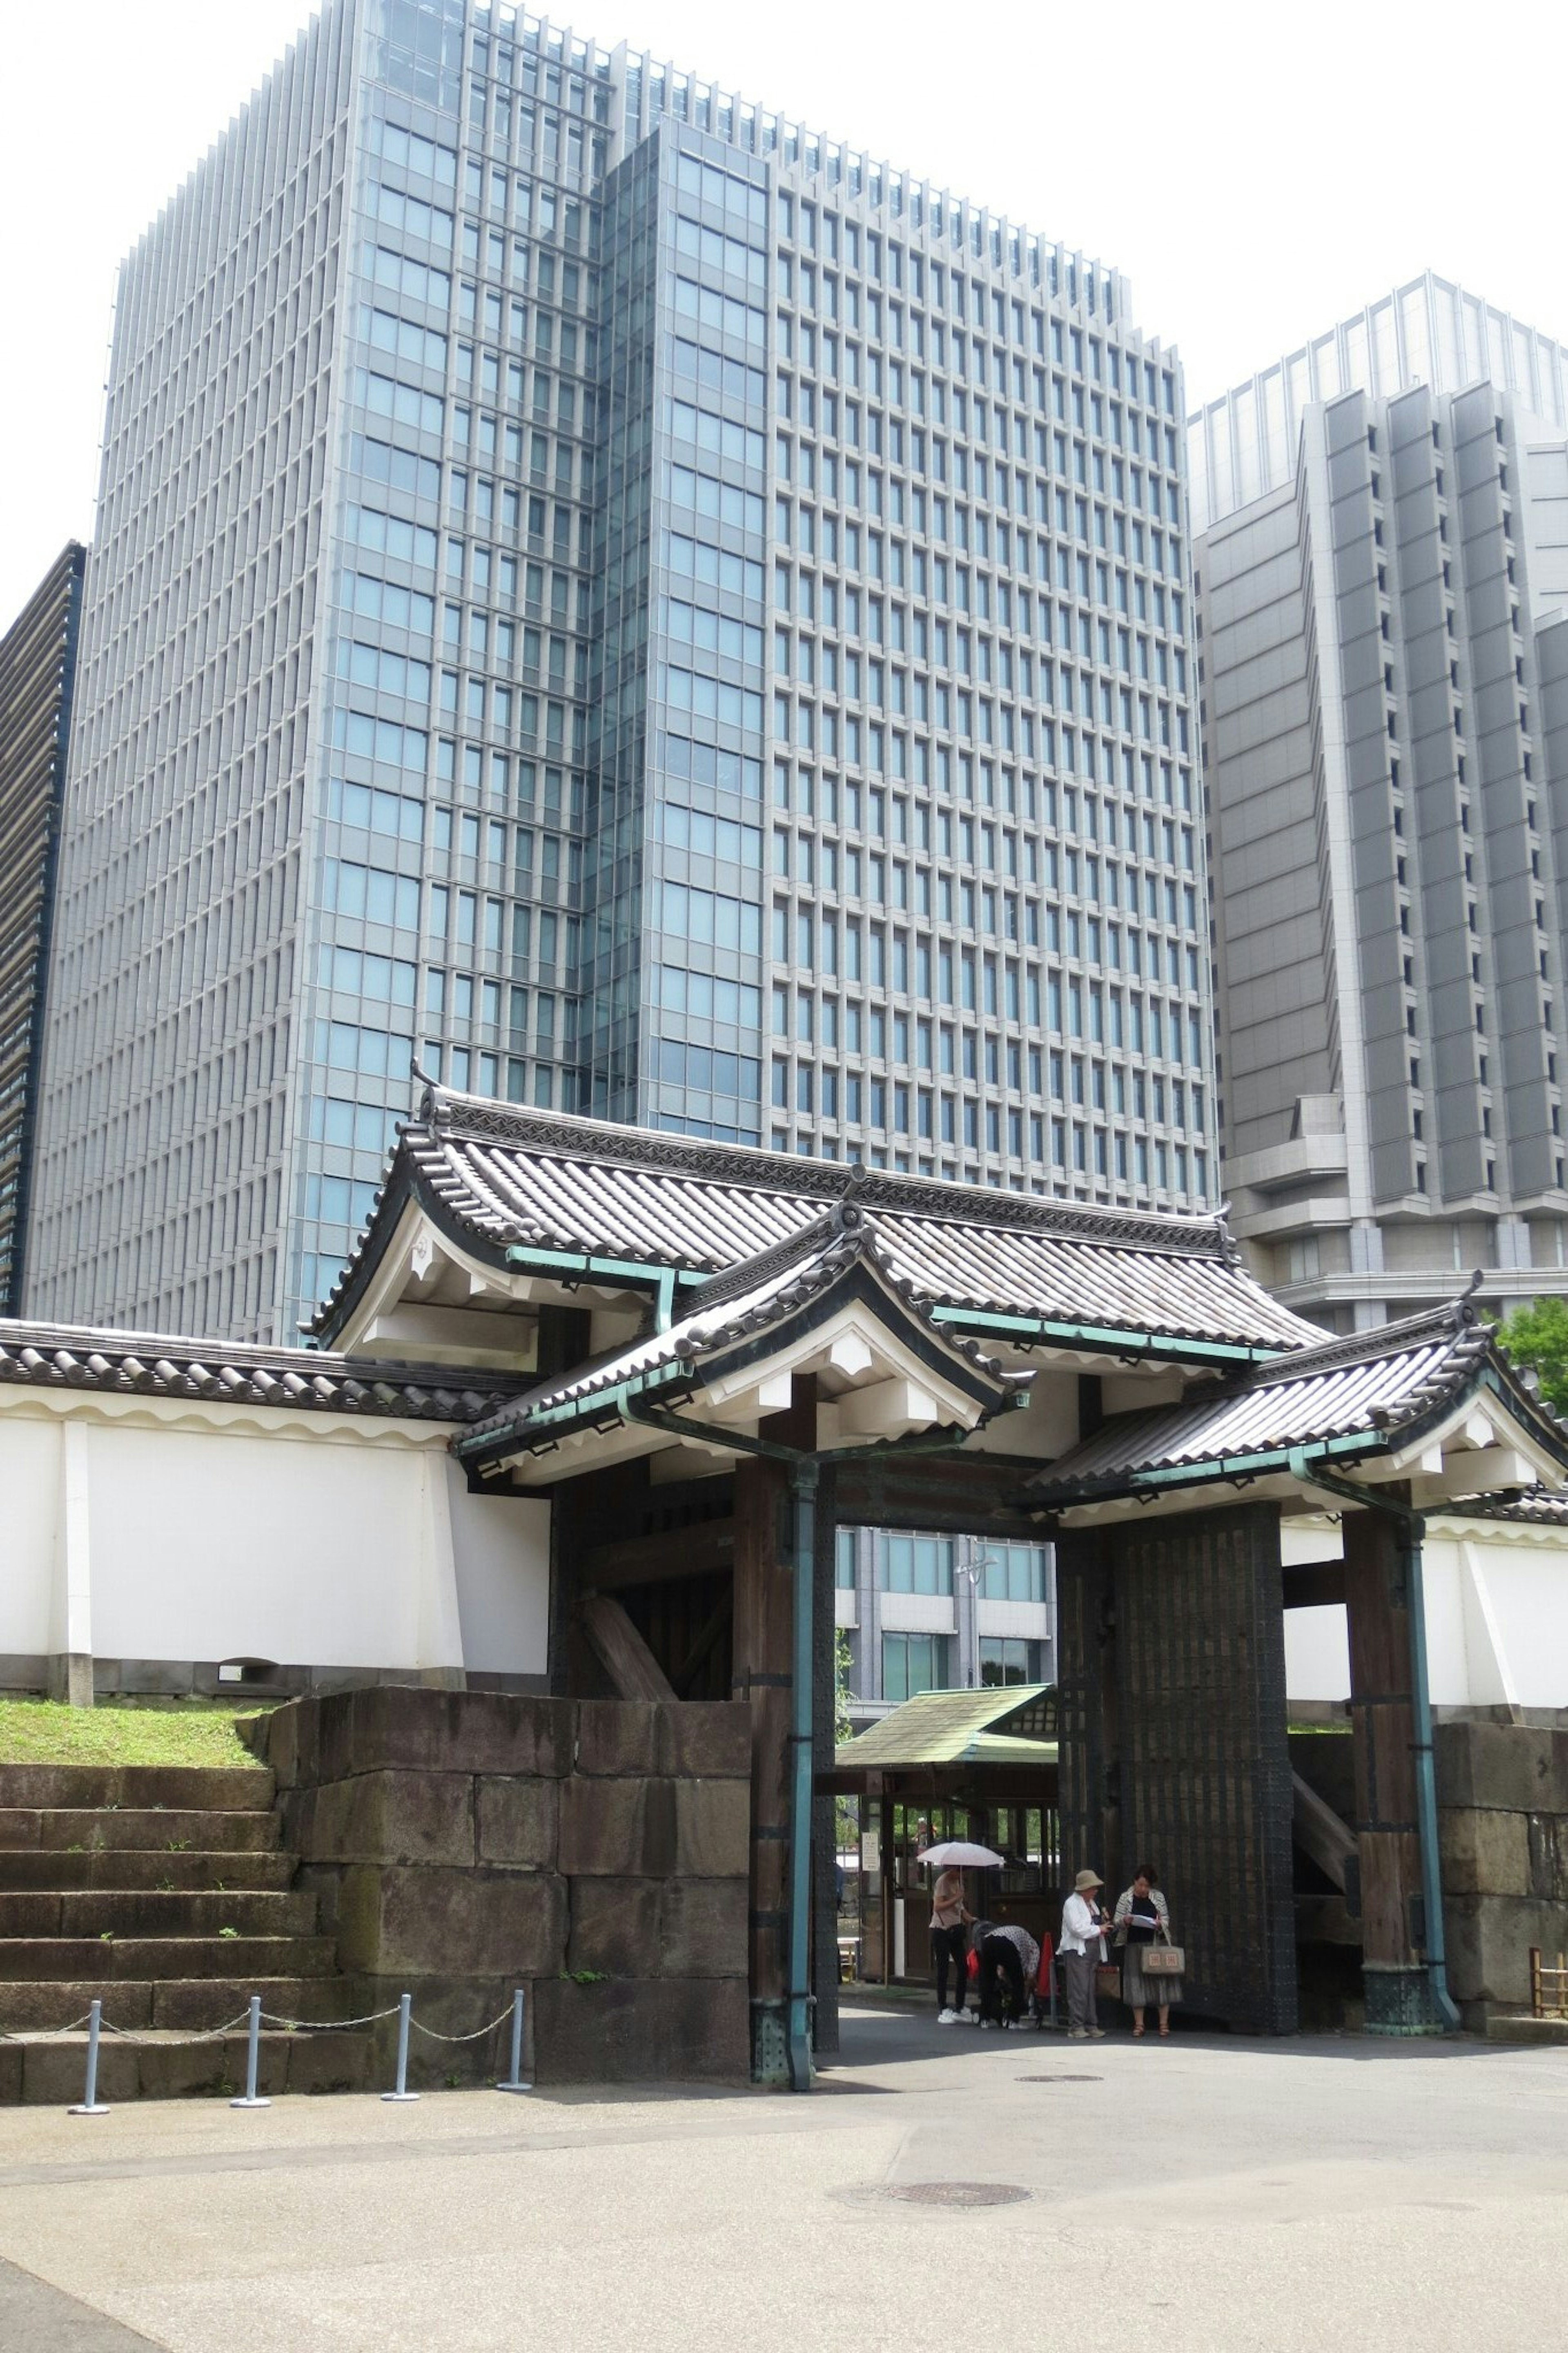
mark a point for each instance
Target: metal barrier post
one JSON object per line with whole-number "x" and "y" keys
{"x": 252, "y": 2055}
{"x": 1537, "y": 2003}
{"x": 514, "y": 2082}
{"x": 91, "y": 2104}
{"x": 402, "y": 2091}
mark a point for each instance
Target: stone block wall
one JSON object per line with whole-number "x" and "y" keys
{"x": 595, "y": 1851}
{"x": 1502, "y": 1799}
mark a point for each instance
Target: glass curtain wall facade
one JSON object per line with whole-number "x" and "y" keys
{"x": 37, "y": 674}
{"x": 656, "y": 614}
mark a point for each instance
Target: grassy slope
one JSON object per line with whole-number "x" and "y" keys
{"x": 188, "y": 1732}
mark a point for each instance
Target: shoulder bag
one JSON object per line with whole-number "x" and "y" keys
{"x": 1163, "y": 1960}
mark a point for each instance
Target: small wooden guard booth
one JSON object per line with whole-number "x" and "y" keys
{"x": 721, "y": 1354}
{"x": 978, "y": 1764}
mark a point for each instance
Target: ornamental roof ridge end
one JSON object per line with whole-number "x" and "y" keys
{"x": 1452, "y": 1320}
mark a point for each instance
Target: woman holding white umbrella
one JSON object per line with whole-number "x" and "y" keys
{"x": 950, "y": 1917}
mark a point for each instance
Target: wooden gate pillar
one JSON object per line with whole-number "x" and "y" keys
{"x": 761, "y": 1674}
{"x": 824, "y": 1811}
{"x": 1383, "y": 1726}
{"x": 763, "y": 1658}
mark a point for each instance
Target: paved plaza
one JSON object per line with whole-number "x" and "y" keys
{"x": 1211, "y": 2195}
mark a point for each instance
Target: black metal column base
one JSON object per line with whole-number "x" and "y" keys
{"x": 1399, "y": 1999}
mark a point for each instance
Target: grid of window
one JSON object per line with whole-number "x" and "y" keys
{"x": 164, "y": 1128}
{"x": 987, "y": 911}
{"x": 729, "y": 668}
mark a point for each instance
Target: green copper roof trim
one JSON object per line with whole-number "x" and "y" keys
{"x": 660, "y": 1279}
{"x": 592, "y": 1408}
{"x": 1246, "y": 1466}
{"x": 1038, "y": 1328}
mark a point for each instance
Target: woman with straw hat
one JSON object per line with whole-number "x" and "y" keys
{"x": 1082, "y": 1945}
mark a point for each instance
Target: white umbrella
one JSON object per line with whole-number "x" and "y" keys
{"x": 960, "y": 1854}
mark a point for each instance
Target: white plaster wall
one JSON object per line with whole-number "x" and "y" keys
{"x": 1497, "y": 1618}
{"x": 306, "y": 1545}
{"x": 29, "y": 1506}
{"x": 1316, "y": 1653}
{"x": 206, "y": 1545}
{"x": 1510, "y": 1598}
{"x": 500, "y": 1551}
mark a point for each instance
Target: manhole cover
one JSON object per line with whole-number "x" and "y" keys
{"x": 955, "y": 2193}
{"x": 1061, "y": 2079}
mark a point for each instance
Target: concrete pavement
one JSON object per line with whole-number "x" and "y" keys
{"x": 1211, "y": 2195}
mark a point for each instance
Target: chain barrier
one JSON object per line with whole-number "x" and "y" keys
{"x": 431, "y": 2035}
{"x": 327, "y": 2025}
{"x": 252, "y": 2019}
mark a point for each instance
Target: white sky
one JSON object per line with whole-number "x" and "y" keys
{"x": 1255, "y": 171}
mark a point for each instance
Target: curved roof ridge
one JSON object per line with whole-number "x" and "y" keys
{"x": 442, "y": 1112}
{"x": 1451, "y": 1320}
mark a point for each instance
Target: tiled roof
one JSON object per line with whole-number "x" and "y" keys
{"x": 763, "y": 1297}
{"x": 1535, "y": 1507}
{"x": 949, "y": 1727}
{"x": 227, "y": 1372}
{"x": 1378, "y": 1387}
{"x": 499, "y": 1178}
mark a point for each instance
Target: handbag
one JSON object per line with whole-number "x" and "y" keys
{"x": 1106, "y": 1977}
{"x": 1164, "y": 1961}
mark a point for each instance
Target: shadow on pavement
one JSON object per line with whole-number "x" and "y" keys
{"x": 882, "y": 2033}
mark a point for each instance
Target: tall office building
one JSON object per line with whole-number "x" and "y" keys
{"x": 610, "y": 595}
{"x": 1382, "y": 581}
{"x": 37, "y": 669}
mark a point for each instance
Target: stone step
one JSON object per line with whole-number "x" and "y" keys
{"x": 54, "y": 1868}
{"x": 1518, "y": 2027}
{"x": 85, "y": 1958}
{"x": 86, "y": 1829}
{"x": 150, "y": 2066}
{"x": 237, "y": 1789}
{"x": 175, "y": 2004}
{"x": 157, "y": 1911}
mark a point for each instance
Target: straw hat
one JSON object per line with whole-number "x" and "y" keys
{"x": 1085, "y": 1880}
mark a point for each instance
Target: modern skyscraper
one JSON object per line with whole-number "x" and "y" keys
{"x": 37, "y": 669}
{"x": 614, "y": 596}
{"x": 1382, "y": 601}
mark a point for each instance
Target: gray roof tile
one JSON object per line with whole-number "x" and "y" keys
{"x": 1380, "y": 1385}
{"x": 501, "y": 1178}
{"x": 765, "y": 1295}
{"x": 148, "y": 1363}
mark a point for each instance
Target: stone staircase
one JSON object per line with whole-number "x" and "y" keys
{"x": 162, "y": 1891}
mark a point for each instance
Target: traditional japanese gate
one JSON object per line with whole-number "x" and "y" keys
{"x": 733, "y": 1353}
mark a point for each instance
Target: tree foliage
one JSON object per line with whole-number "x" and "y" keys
{"x": 1537, "y": 1335}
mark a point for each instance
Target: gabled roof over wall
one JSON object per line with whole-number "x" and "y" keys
{"x": 830, "y": 1302}
{"x": 587, "y": 1202}
{"x": 227, "y": 1372}
{"x": 1432, "y": 1396}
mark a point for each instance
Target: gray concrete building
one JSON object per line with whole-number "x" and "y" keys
{"x": 1381, "y": 585}
{"x": 635, "y": 607}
